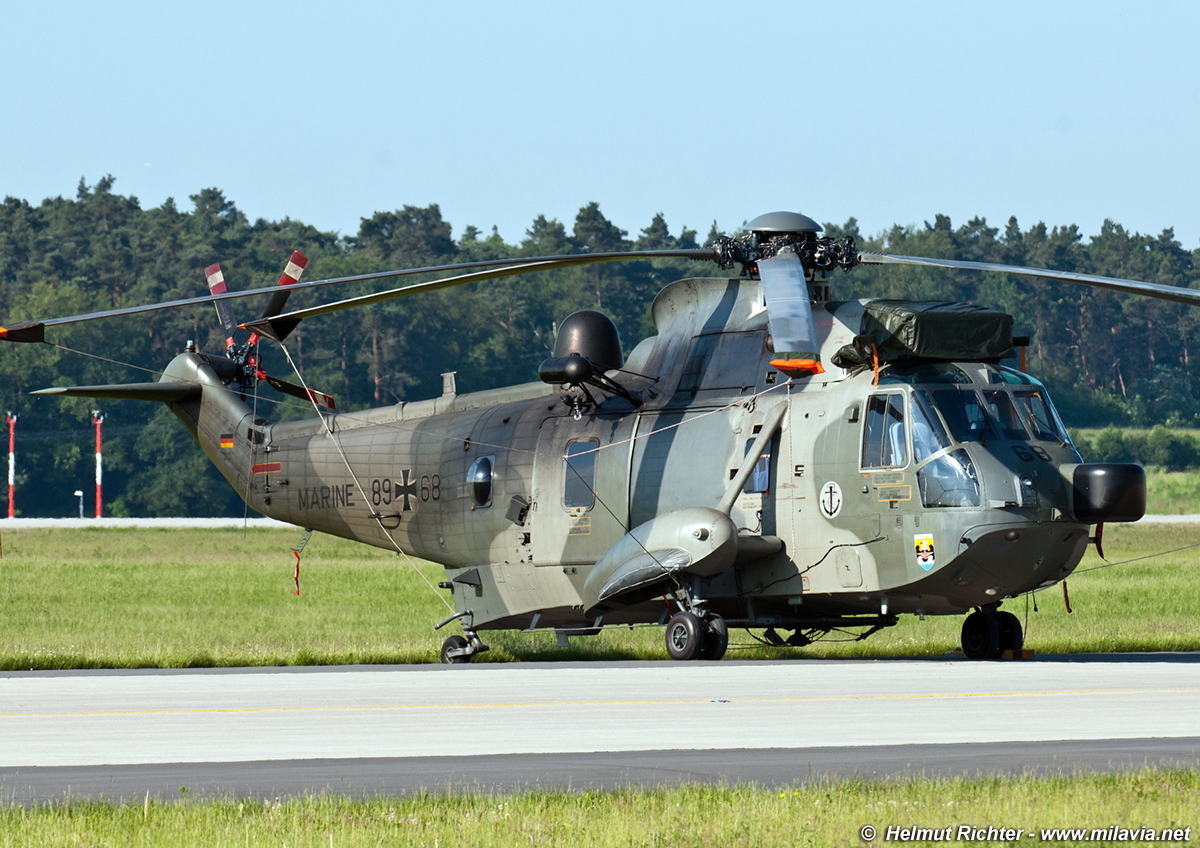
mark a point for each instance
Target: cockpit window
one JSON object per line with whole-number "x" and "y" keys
{"x": 883, "y": 438}
{"x": 929, "y": 435}
{"x": 1005, "y": 414}
{"x": 927, "y": 372}
{"x": 1039, "y": 416}
{"x": 949, "y": 481}
{"x": 965, "y": 415}
{"x": 1016, "y": 378}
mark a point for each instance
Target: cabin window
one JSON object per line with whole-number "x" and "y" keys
{"x": 759, "y": 480}
{"x": 580, "y": 479}
{"x": 884, "y": 439}
{"x": 479, "y": 481}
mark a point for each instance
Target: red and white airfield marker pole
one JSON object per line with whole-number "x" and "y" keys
{"x": 98, "y": 418}
{"x": 12, "y": 462}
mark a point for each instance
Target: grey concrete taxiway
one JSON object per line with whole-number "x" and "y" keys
{"x": 398, "y": 729}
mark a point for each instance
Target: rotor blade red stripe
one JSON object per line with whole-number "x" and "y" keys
{"x": 295, "y": 267}
{"x": 216, "y": 280}
{"x": 321, "y": 398}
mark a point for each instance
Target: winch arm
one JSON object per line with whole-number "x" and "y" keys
{"x": 770, "y": 425}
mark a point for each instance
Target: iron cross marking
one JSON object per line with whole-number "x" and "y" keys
{"x": 408, "y": 489}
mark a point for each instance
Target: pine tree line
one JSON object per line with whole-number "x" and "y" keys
{"x": 1108, "y": 358}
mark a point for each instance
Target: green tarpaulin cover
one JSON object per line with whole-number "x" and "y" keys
{"x": 941, "y": 330}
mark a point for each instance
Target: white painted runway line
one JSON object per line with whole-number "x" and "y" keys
{"x": 94, "y": 718}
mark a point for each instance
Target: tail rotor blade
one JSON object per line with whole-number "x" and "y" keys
{"x": 319, "y": 398}
{"x": 789, "y": 315}
{"x": 291, "y": 276}
{"x": 216, "y": 285}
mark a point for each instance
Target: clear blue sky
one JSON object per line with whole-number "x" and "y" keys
{"x": 890, "y": 112}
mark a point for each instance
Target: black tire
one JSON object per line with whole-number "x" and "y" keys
{"x": 981, "y": 636}
{"x": 716, "y": 639}
{"x": 454, "y": 643}
{"x": 685, "y": 636}
{"x": 1011, "y": 636}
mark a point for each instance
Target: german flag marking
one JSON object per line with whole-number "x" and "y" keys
{"x": 227, "y": 440}
{"x": 267, "y": 467}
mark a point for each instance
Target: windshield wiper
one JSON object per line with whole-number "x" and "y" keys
{"x": 1038, "y": 425}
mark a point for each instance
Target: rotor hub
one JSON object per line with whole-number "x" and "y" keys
{"x": 777, "y": 231}
{"x": 774, "y": 223}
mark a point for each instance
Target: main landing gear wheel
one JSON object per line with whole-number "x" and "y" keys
{"x": 716, "y": 639}
{"x": 981, "y": 636}
{"x": 450, "y": 649}
{"x": 685, "y": 636}
{"x": 1011, "y": 637}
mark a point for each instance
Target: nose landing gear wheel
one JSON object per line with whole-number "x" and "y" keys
{"x": 1011, "y": 637}
{"x": 451, "y": 648}
{"x": 981, "y": 636}
{"x": 716, "y": 639}
{"x": 685, "y": 636}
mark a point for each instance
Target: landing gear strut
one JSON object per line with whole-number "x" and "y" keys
{"x": 457, "y": 649}
{"x": 454, "y": 650}
{"x": 691, "y": 637}
{"x": 986, "y": 634}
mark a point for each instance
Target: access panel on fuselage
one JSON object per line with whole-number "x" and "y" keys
{"x": 580, "y": 488}
{"x": 681, "y": 459}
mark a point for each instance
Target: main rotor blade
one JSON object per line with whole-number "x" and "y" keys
{"x": 33, "y": 330}
{"x": 789, "y": 314}
{"x": 279, "y": 326}
{"x": 1188, "y": 297}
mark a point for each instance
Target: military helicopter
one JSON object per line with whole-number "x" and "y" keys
{"x": 772, "y": 458}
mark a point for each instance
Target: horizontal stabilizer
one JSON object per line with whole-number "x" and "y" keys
{"x": 166, "y": 392}
{"x": 24, "y": 331}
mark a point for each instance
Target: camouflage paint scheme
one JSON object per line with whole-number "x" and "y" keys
{"x": 708, "y": 372}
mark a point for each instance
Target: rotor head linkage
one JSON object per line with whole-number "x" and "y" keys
{"x": 775, "y": 231}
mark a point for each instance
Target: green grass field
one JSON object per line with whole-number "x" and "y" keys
{"x": 98, "y": 598}
{"x": 128, "y": 598}
{"x": 1167, "y": 492}
{"x": 1172, "y": 492}
{"x": 831, "y": 813}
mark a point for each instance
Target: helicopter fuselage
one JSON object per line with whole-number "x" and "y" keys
{"x": 927, "y": 488}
